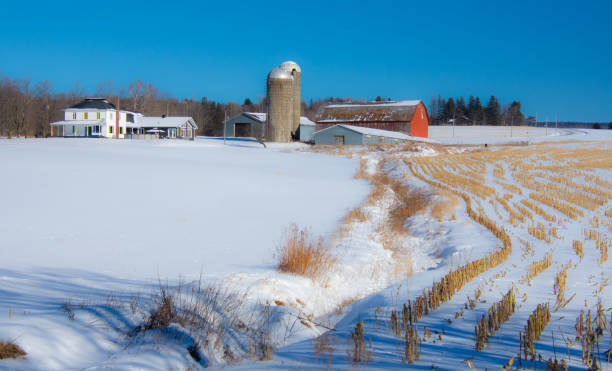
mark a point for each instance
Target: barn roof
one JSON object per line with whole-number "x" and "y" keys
{"x": 374, "y": 111}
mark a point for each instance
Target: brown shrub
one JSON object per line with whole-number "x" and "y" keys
{"x": 407, "y": 202}
{"x": 355, "y": 215}
{"x": 446, "y": 207}
{"x": 9, "y": 349}
{"x": 300, "y": 254}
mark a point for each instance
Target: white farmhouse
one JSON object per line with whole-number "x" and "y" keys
{"x": 97, "y": 117}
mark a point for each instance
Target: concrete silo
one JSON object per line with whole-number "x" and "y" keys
{"x": 280, "y": 106}
{"x": 296, "y": 72}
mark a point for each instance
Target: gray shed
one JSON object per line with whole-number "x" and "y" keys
{"x": 252, "y": 124}
{"x": 246, "y": 124}
{"x": 306, "y": 130}
{"x": 356, "y": 135}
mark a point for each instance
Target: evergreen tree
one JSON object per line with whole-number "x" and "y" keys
{"x": 461, "y": 110}
{"x": 514, "y": 114}
{"x": 449, "y": 110}
{"x": 493, "y": 112}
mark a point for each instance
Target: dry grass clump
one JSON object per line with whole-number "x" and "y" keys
{"x": 577, "y": 245}
{"x": 536, "y": 268}
{"x": 541, "y": 232}
{"x": 536, "y": 323}
{"x": 446, "y": 207}
{"x": 609, "y": 213}
{"x": 538, "y": 210}
{"x": 491, "y": 321}
{"x": 9, "y": 349}
{"x": 559, "y": 285}
{"x": 212, "y": 315}
{"x": 407, "y": 202}
{"x": 588, "y": 333}
{"x": 355, "y": 215}
{"x": 300, "y": 254}
{"x": 360, "y": 353}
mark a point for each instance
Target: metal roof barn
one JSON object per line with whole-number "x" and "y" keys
{"x": 407, "y": 116}
{"x": 356, "y": 135}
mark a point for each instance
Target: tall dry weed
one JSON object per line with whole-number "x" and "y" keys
{"x": 301, "y": 254}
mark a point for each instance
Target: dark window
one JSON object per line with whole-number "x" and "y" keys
{"x": 120, "y": 130}
{"x": 338, "y": 139}
{"x": 129, "y": 117}
{"x": 110, "y": 129}
{"x": 85, "y": 116}
{"x": 98, "y": 115}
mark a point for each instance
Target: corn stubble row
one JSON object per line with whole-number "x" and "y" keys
{"x": 543, "y": 179}
{"x": 492, "y": 321}
{"x": 536, "y": 323}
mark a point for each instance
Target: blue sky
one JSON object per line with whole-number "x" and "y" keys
{"x": 553, "y": 56}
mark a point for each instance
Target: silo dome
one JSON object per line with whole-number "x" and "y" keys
{"x": 279, "y": 73}
{"x": 290, "y": 66}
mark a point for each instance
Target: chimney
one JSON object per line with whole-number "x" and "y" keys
{"x": 117, "y": 120}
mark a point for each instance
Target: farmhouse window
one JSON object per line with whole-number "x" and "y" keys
{"x": 338, "y": 139}
{"x": 74, "y": 115}
{"x": 110, "y": 129}
{"x": 129, "y": 117}
{"x": 85, "y": 116}
{"x": 98, "y": 115}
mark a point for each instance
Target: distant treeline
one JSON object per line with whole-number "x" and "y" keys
{"x": 443, "y": 111}
{"x": 27, "y": 108}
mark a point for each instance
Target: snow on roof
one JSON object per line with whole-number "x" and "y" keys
{"x": 369, "y": 131}
{"x": 306, "y": 122}
{"x": 261, "y": 117}
{"x": 401, "y": 111}
{"x": 398, "y": 103}
{"x": 160, "y": 122}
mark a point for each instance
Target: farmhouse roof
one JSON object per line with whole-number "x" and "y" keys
{"x": 94, "y": 103}
{"x": 373, "y": 111}
{"x": 161, "y": 122}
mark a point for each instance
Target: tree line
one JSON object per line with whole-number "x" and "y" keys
{"x": 27, "y": 108}
{"x": 444, "y": 111}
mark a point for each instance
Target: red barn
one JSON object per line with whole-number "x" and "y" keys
{"x": 407, "y": 116}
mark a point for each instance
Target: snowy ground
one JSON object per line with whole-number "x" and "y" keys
{"x": 508, "y": 134}
{"x": 85, "y": 234}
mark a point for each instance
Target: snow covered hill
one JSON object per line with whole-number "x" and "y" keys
{"x": 91, "y": 230}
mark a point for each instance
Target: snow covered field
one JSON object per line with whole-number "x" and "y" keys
{"x": 506, "y": 134}
{"x": 136, "y": 209}
{"x": 87, "y": 226}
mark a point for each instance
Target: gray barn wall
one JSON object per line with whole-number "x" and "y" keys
{"x": 327, "y": 136}
{"x": 306, "y": 133}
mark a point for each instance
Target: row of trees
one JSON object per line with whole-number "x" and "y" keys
{"x": 445, "y": 111}
{"x": 27, "y": 108}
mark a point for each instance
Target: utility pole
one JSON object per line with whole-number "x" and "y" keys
{"x": 224, "y": 124}
{"x": 453, "y": 123}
